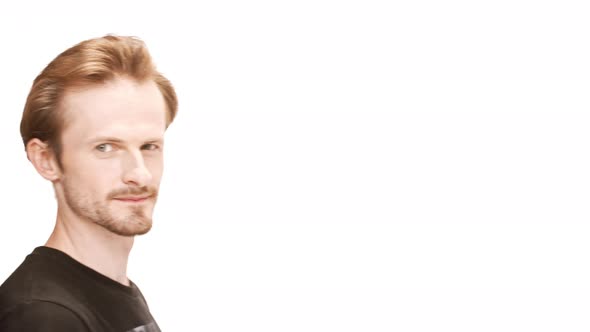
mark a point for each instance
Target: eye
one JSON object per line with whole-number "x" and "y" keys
{"x": 105, "y": 147}
{"x": 150, "y": 147}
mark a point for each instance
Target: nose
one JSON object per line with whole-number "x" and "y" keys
{"x": 136, "y": 173}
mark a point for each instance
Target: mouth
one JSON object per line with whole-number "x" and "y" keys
{"x": 132, "y": 199}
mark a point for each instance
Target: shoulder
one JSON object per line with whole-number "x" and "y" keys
{"x": 40, "y": 316}
{"x": 37, "y": 280}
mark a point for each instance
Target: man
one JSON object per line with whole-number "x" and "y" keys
{"x": 93, "y": 125}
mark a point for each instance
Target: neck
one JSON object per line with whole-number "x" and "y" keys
{"x": 92, "y": 245}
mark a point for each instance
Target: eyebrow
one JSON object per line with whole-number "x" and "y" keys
{"x": 118, "y": 140}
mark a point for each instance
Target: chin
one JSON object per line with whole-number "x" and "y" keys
{"x": 124, "y": 231}
{"x": 130, "y": 226}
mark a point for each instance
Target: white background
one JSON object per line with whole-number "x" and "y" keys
{"x": 342, "y": 165}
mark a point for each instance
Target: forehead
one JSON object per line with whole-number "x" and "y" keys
{"x": 120, "y": 108}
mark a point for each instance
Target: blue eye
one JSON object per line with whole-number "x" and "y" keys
{"x": 105, "y": 147}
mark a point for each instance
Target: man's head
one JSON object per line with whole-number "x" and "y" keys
{"x": 94, "y": 125}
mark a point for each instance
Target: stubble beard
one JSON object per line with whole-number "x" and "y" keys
{"x": 134, "y": 221}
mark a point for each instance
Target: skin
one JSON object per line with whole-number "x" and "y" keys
{"x": 112, "y": 155}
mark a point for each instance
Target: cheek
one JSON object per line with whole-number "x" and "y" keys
{"x": 93, "y": 184}
{"x": 95, "y": 177}
{"x": 103, "y": 171}
{"x": 84, "y": 188}
{"x": 155, "y": 167}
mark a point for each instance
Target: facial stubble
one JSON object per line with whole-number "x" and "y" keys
{"x": 133, "y": 221}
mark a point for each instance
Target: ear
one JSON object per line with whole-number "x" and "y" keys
{"x": 43, "y": 159}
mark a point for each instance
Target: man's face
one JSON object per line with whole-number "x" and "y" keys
{"x": 112, "y": 154}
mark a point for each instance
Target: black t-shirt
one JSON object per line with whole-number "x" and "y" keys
{"x": 50, "y": 291}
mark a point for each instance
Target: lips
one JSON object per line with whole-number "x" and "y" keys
{"x": 134, "y": 199}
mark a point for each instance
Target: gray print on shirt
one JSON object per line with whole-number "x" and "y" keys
{"x": 151, "y": 327}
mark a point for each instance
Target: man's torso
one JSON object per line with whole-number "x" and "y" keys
{"x": 52, "y": 289}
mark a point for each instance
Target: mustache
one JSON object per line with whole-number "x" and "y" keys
{"x": 134, "y": 191}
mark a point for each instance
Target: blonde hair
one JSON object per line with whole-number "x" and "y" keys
{"x": 90, "y": 62}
